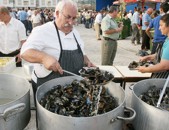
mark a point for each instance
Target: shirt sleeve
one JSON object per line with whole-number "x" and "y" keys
{"x": 146, "y": 18}
{"x": 21, "y": 31}
{"x": 165, "y": 54}
{"x": 105, "y": 25}
{"x": 34, "y": 41}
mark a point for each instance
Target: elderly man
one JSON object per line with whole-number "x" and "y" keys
{"x": 12, "y": 35}
{"x": 55, "y": 46}
{"x": 111, "y": 31}
{"x": 145, "y": 22}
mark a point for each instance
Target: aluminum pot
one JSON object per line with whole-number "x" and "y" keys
{"x": 148, "y": 117}
{"x": 14, "y": 102}
{"x": 112, "y": 120}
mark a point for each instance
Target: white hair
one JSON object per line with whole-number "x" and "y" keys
{"x": 60, "y": 5}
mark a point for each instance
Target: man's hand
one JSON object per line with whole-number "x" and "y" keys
{"x": 18, "y": 57}
{"x": 119, "y": 29}
{"x": 51, "y": 63}
{"x": 87, "y": 62}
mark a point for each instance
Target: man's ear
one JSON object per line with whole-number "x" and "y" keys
{"x": 57, "y": 13}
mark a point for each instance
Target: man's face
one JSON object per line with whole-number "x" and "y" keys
{"x": 114, "y": 14}
{"x": 67, "y": 18}
{"x": 2, "y": 16}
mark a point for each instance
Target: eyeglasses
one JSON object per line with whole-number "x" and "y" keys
{"x": 69, "y": 17}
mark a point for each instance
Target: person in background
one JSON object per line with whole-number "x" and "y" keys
{"x": 29, "y": 12}
{"x": 110, "y": 32}
{"x": 36, "y": 18}
{"x": 12, "y": 35}
{"x": 12, "y": 13}
{"x": 97, "y": 24}
{"x": 87, "y": 20}
{"x": 56, "y": 46}
{"x": 145, "y": 22}
{"x": 130, "y": 15}
{"x": 158, "y": 38}
{"x": 22, "y": 16}
{"x": 135, "y": 27}
{"x": 161, "y": 69}
{"x": 42, "y": 16}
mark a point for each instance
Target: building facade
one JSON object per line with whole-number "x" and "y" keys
{"x": 28, "y": 3}
{"x": 89, "y": 4}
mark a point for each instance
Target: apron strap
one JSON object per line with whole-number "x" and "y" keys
{"x": 59, "y": 40}
{"x": 78, "y": 46}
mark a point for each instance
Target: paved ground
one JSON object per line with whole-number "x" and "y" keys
{"x": 126, "y": 53}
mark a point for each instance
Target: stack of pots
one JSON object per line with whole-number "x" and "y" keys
{"x": 112, "y": 120}
{"x": 148, "y": 117}
{"x": 14, "y": 102}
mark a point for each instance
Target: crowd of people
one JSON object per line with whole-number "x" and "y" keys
{"x": 32, "y": 17}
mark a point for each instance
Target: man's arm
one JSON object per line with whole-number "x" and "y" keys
{"x": 146, "y": 23}
{"x": 148, "y": 33}
{"x": 36, "y": 56}
{"x": 111, "y": 31}
{"x": 87, "y": 62}
{"x": 18, "y": 55}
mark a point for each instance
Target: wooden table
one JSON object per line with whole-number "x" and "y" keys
{"x": 118, "y": 77}
{"x": 131, "y": 75}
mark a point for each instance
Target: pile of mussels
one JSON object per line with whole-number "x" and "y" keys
{"x": 96, "y": 76}
{"x": 79, "y": 99}
{"x": 152, "y": 95}
{"x": 135, "y": 64}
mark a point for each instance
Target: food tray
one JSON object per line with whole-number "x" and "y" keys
{"x": 7, "y": 64}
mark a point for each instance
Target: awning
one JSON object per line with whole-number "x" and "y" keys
{"x": 156, "y": 1}
{"x": 130, "y": 1}
{"x": 118, "y": 2}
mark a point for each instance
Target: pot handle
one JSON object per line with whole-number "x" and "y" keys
{"x": 131, "y": 86}
{"x": 126, "y": 118}
{"x": 13, "y": 110}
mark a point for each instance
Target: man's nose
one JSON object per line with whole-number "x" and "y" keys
{"x": 71, "y": 21}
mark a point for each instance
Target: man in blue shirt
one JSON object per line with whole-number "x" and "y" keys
{"x": 145, "y": 22}
{"x": 22, "y": 16}
{"x": 158, "y": 37}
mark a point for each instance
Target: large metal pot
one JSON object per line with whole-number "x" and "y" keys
{"x": 109, "y": 121}
{"x": 14, "y": 102}
{"x": 148, "y": 117}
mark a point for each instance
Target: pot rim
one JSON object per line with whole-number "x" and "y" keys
{"x": 20, "y": 96}
{"x": 143, "y": 101}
